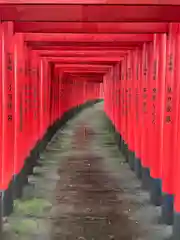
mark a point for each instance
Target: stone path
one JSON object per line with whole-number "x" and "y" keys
{"x": 83, "y": 189}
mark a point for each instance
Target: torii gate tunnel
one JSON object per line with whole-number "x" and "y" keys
{"x": 58, "y": 54}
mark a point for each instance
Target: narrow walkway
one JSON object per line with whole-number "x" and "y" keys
{"x": 82, "y": 189}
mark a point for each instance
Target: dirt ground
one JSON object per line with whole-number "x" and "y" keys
{"x": 84, "y": 190}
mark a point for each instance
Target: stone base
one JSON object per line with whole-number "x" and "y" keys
{"x": 118, "y": 139}
{"x": 125, "y": 151}
{"x": 167, "y": 210}
{"x": 137, "y": 167}
{"x": 19, "y": 181}
{"x": 119, "y": 142}
{"x": 155, "y": 192}
{"x": 131, "y": 159}
{"x": 122, "y": 146}
{"x": 7, "y": 200}
{"x": 146, "y": 179}
{"x": 176, "y": 227}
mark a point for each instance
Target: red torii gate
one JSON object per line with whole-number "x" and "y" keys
{"x": 92, "y": 27}
{"x": 96, "y": 28}
{"x": 94, "y": 11}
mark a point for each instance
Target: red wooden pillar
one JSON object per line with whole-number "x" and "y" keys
{"x": 52, "y": 94}
{"x": 123, "y": 106}
{"x": 176, "y": 223}
{"x": 1, "y": 107}
{"x": 131, "y": 108}
{"x": 114, "y": 96}
{"x": 101, "y": 91}
{"x": 20, "y": 137}
{"x": 127, "y": 94}
{"x": 63, "y": 98}
{"x": 26, "y": 103}
{"x": 110, "y": 97}
{"x": 85, "y": 91}
{"x": 169, "y": 127}
{"x": 150, "y": 103}
{"x": 152, "y": 150}
{"x": 55, "y": 80}
{"x": 60, "y": 94}
{"x": 118, "y": 117}
{"x": 157, "y": 109}
{"x": 42, "y": 90}
{"x": 145, "y": 115}
{"x": 19, "y": 65}
{"x": 34, "y": 96}
{"x": 8, "y": 110}
{"x": 46, "y": 90}
{"x": 48, "y": 95}
{"x": 137, "y": 100}
{"x": 153, "y": 102}
{"x": 104, "y": 89}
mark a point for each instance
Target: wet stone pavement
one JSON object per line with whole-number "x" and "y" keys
{"x": 83, "y": 189}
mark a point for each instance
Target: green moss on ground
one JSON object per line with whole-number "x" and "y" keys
{"x": 32, "y": 207}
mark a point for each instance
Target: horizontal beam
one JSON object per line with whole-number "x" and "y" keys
{"x": 87, "y": 2}
{"x": 81, "y": 37}
{"x": 82, "y": 48}
{"x": 84, "y": 45}
{"x": 80, "y": 60}
{"x": 110, "y": 63}
{"x": 82, "y": 66}
{"x": 90, "y": 13}
{"x": 71, "y": 77}
{"x": 94, "y": 27}
{"x": 85, "y": 53}
{"x": 86, "y": 68}
{"x": 85, "y": 79}
{"x": 80, "y": 71}
{"x": 90, "y": 76}
{"x": 87, "y": 75}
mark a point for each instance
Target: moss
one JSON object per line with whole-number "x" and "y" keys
{"x": 32, "y": 207}
{"x": 24, "y": 226}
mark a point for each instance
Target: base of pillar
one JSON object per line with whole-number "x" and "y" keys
{"x": 131, "y": 159}
{"x": 118, "y": 140}
{"x": 176, "y": 227}
{"x": 155, "y": 192}
{"x": 125, "y": 151}
{"x": 122, "y": 146}
{"x": 7, "y": 200}
{"x": 146, "y": 178}
{"x": 19, "y": 181}
{"x": 137, "y": 167}
{"x": 167, "y": 209}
